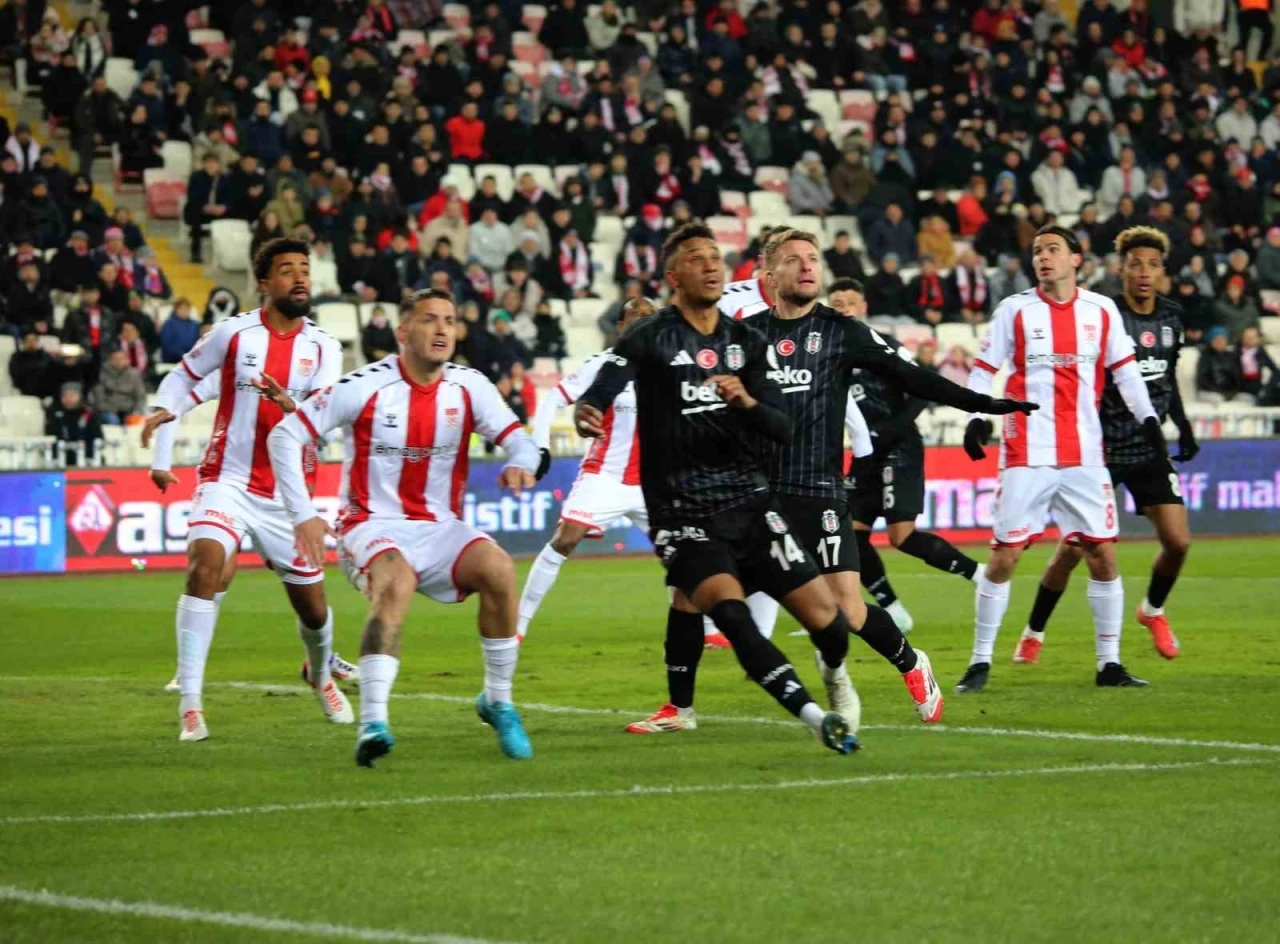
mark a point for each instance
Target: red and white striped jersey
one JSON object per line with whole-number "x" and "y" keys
{"x": 405, "y": 445}
{"x": 617, "y": 452}
{"x": 744, "y": 299}
{"x": 1058, "y": 354}
{"x": 240, "y": 350}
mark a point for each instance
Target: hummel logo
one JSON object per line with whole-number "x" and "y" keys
{"x": 681, "y": 360}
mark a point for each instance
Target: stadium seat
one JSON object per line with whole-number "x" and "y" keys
{"x": 198, "y": 18}
{"x": 857, "y": 105}
{"x": 407, "y": 39}
{"x": 825, "y": 104}
{"x": 730, "y": 232}
{"x": 582, "y": 340}
{"x": 529, "y": 73}
{"x": 459, "y": 175}
{"x": 340, "y": 319}
{"x": 501, "y": 173}
{"x": 677, "y": 98}
{"x": 773, "y": 178}
{"x": 768, "y": 206}
{"x": 911, "y": 335}
{"x": 949, "y": 335}
{"x": 563, "y": 173}
{"x": 122, "y": 77}
{"x": 541, "y": 173}
{"x": 586, "y": 311}
{"x": 526, "y": 47}
{"x": 212, "y": 41}
{"x": 610, "y": 232}
{"x": 21, "y": 416}
{"x": 532, "y": 16}
{"x": 164, "y": 193}
{"x": 1271, "y": 301}
{"x": 735, "y": 202}
{"x": 7, "y": 346}
{"x": 1269, "y": 325}
{"x": 177, "y": 158}
{"x": 851, "y": 127}
{"x": 810, "y": 224}
{"x": 457, "y": 15}
{"x": 231, "y": 240}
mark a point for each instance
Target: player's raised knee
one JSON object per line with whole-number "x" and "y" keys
{"x": 205, "y": 569}
{"x": 488, "y": 568}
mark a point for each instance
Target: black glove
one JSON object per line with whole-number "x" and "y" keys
{"x": 976, "y": 435}
{"x": 1001, "y": 407}
{"x": 1187, "y": 445}
{"x": 1154, "y": 436}
{"x": 544, "y": 464}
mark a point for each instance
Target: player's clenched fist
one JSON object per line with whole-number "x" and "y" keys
{"x": 732, "y": 392}
{"x": 588, "y": 421}
{"x": 516, "y": 479}
{"x": 976, "y": 435}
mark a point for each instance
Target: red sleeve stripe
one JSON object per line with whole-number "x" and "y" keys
{"x": 190, "y": 373}
{"x": 985, "y": 366}
{"x": 1124, "y": 360}
{"x": 564, "y": 393}
{"x": 506, "y": 432}
{"x": 195, "y": 398}
{"x": 307, "y": 423}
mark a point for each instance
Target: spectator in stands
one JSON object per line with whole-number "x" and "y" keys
{"x": 112, "y": 292}
{"x": 179, "y": 332}
{"x": 1057, "y": 186}
{"x": 97, "y": 121}
{"x": 886, "y": 293}
{"x": 263, "y": 137}
{"x": 1197, "y": 310}
{"x": 549, "y": 336}
{"x": 75, "y": 425}
{"x": 969, "y": 284}
{"x": 451, "y": 224}
{"x": 1267, "y": 261}
{"x": 289, "y": 212}
{"x": 956, "y": 365}
{"x": 508, "y": 349}
{"x": 1217, "y": 371}
{"x": 928, "y": 297}
{"x": 134, "y": 347}
{"x": 809, "y": 191}
{"x": 73, "y": 264}
{"x": 122, "y": 219}
{"x": 140, "y": 146}
{"x": 1255, "y": 369}
{"x": 935, "y": 239}
{"x": 466, "y": 134}
{"x": 520, "y": 393}
{"x": 63, "y": 89}
{"x": 574, "y": 267}
{"x": 490, "y": 240}
{"x": 89, "y": 50}
{"x": 324, "y": 272}
{"x": 83, "y": 212}
{"x": 971, "y": 208}
{"x": 526, "y": 282}
{"x": 891, "y": 234}
{"x": 378, "y": 338}
{"x": 46, "y": 216}
{"x": 398, "y": 270}
{"x": 30, "y": 307}
{"x": 209, "y": 195}
{"x": 32, "y": 368}
{"x": 1009, "y": 279}
{"x": 1236, "y": 310}
{"x": 265, "y": 229}
{"x": 843, "y": 262}
{"x": 148, "y": 277}
{"x": 1126, "y": 178}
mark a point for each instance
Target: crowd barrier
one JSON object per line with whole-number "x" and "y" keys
{"x": 114, "y": 519}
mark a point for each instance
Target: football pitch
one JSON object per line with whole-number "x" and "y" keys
{"x": 1043, "y": 809}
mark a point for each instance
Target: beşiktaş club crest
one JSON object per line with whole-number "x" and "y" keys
{"x": 775, "y": 522}
{"x": 813, "y": 343}
{"x": 1166, "y": 335}
{"x": 733, "y": 357}
{"x": 830, "y": 523}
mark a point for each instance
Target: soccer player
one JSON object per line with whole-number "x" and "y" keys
{"x": 407, "y": 422}
{"x": 1154, "y": 323}
{"x": 706, "y": 411}
{"x": 162, "y": 477}
{"x": 1059, "y": 340}
{"x": 890, "y": 483}
{"x": 608, "y": 485}
{"x": 268, "y": 359}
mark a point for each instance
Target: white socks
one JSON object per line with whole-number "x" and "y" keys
{"x": 319, "y": 644}
{"x": 543, "y": 573}
{"x": 992, "y": 601}
{"x": 500, "y": 657}
{"x": 764, "y": 611}
{"x": 377, "y": 675}
{"x": 194, "y": 626}
{"x": 1149, "y": 610}
{"x": 1106, "y": 600}
{"x": 812, "y": 715}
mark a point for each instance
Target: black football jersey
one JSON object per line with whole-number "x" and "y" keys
{"x": 698, "y": 456}
{"x": 882, "y": 399}
{"x": 1157, "y": 338}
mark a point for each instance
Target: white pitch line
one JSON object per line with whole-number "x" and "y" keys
{"x": 230, "y": 919}
{"x": 1035, "y": 733}
{"x": 623, "y": 793}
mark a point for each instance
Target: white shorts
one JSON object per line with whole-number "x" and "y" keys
{"x": 225, "y": 513}
{"x": 1081, "y": 499}
{"x": 432, "y": 549}
{"x": 597, "y": 501}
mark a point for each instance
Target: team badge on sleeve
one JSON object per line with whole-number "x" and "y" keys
{"x": 733, "y": 357}
{"x": 830, "y": 523}
{"x": 775, "y": 522}
{"x": 813, "y": 343}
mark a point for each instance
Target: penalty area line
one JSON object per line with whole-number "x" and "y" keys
{"x": 229, "y": 919}
{"x": 639, "y": 790}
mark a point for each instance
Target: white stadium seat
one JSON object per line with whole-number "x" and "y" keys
{"x": 541, "y": 173}
{"x": 340, "y": 319}
{"x": 231, "y": 240}
{"x": 501, "y": 174}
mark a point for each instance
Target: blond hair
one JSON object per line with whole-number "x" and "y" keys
{"x": 780, "y": 237}
{"x": 1143, "y": 237}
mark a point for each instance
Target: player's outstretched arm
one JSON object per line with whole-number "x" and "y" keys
{"x": 1187, "y": 444}
{"x": 1121, "y": 360}
{"x": 161, "y": 423}
{"x": 616, "y": 371}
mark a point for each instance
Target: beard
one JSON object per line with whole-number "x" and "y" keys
{"x": 799, "y": 296}
{"x": 291, "y": 308}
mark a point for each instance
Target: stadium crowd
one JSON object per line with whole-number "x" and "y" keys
{"x": 964, "y": 125}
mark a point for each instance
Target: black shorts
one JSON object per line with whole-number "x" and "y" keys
{"x": 824, "y": 528}
{"x": 891, "y": 487}
{"x": 1153, "y": 482}
{"x": 753, "y": 543}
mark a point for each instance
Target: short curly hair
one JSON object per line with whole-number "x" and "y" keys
{"x": 1143, "y": 237}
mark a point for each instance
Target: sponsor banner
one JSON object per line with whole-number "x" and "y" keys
{"x": 105, "y": 519}
{"x": 32, "y": 523}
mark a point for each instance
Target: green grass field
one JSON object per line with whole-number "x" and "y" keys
{"x": 1043, "y": 810}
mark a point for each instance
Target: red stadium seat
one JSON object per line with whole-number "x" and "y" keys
{"x": 858, "y": 105}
